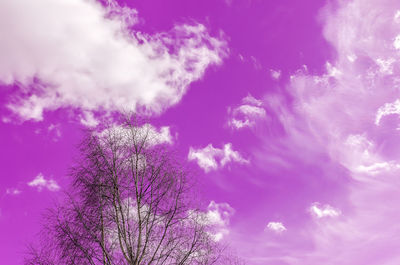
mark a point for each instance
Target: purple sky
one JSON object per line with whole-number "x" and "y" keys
{"x": 287, "y": 110}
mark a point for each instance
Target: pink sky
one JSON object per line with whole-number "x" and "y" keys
{"x": 287, "y": 110}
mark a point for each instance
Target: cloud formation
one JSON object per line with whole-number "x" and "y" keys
{"x": 387, "y": 109}
{"x": 275, "y": 74}
{"x": 85, "y": 55}
{"x": 211, "y": 158}
{"x": 246, "y": 114}
{"x": 40, "y": 183}
{"x": 276, "y": 227}
{"x": 218, "y": 215}
{"x": 13, "y": 191}
{"x": 319, "y": 211}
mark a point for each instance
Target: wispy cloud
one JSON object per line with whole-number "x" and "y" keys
{"x": 349, "y": 113}
{"x": 54, "y": 131}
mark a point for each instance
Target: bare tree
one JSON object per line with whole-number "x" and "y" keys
{"x": 131, "y": 202}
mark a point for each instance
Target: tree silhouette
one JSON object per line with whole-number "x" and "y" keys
{"x": 131, "y": 202}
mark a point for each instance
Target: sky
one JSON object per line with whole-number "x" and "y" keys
{"x": 288, "y": 111}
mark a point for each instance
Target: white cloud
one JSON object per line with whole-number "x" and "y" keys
{"x": 231, "y": 156}
{"x": 351, "y": 57}
{"x": 277, "y": 227}
{"x": 275, "y": 74}
{"x": 249, "y": 99}
{"x": 396, "y": 42}
{"x": 238, "y": 124}
{"x": 386, "y": 66}
{"x": 211, "y": 158}
{"x": 251, "y": 110}
{"x": 163, "y": 135}
{"x": 219, "y": 213}
{"x": 81, "y": 54}
{"x": 360, "y": 156}
{"x": 147, "y": 131}
{"x": 40, "y": 183}
{"x": 246, "y": 114}
{"x": 387, "y": 109}
{"x": 357, "y": 151}
{"x": 13, "y": 191}
{"x": 378, "y": 167}
{"x": 205, "y": 157}
{"x": 396, "y": 17}
{"x": 54, "y": 131}
{"x": 358, "y": 141}
{"x": 319, "y": 211}
{"x": 87, "y": 119}
{"x": 217, "y": 218}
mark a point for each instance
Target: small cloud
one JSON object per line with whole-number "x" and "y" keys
{"x": 205, "y": 157}
{"x": 385, "y": 66}
{"x": 332, "y": 70}
{"x": 88, "y": 119}
{"x": 217, "y": 217}
{"x": 163, "y": 135}
{"x": 219, "y": 213}
{"x": 319, "y": 211}
{"x": 152, "y": 135}
{"x": 6, "y": 119}
{"x": 246, "y": 114}
{"x": 231, "y": 156}
{"x": 211, "y": 158}
{"x": 387, "y": 109}
{"x": 359, "y": 142}
{"x": 256, "y": 63}
{"x": 396, "y": 17}
{"x": 360, "y": 156}
{"x": 396, "y": 42}
{"x": 40, "y": 183}
{"x": 13, "y": 191}
{"x": 275, "y": 74}
{"x": 54, "y": 131}
{"x": 378, "y": 167}
{"x": 250, "y": 100}
{"x": 351, "y": 57}
{"x": 277, "y": 227}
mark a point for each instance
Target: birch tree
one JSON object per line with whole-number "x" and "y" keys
{"x": 131, "y": 202}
